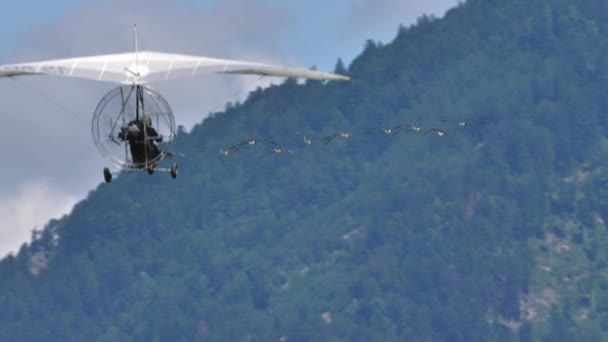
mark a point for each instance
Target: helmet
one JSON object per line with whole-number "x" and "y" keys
{"x": 147, "y": 120}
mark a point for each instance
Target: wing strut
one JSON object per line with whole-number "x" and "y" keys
{"x": 51, "y": 101}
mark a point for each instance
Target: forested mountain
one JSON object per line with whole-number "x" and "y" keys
{"x": 494, "y": 231}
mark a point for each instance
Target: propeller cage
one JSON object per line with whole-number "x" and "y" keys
{"x": 121, "y": 107}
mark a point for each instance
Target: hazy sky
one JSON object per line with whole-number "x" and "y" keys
{"x": 50, "y": 159}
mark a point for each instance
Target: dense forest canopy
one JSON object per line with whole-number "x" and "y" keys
{"x": 494, "y": 230}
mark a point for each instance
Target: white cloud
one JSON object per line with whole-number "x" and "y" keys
{"x": 31, "y": 206}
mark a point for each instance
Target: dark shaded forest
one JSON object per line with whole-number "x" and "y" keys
{"x": 494, "y": 231}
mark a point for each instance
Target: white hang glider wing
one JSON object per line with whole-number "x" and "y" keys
{"x": 147, "y": 66}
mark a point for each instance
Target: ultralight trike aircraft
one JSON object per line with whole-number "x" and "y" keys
{"x": 133, "y": 126}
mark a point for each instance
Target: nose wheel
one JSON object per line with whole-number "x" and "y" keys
{"x": 107, "y": 175}
{"x": 173, "y": 170}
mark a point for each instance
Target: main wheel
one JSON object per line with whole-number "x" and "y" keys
{"x": 174, "y": 170}
{"x": 107, "y": 175}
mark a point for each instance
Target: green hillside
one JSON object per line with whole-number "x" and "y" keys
{"x": 493, "y": 232}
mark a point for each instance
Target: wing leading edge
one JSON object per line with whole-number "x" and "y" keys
{"x": 154, "y": 67}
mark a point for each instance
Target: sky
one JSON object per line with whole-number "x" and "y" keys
{"x": 51, "y": 162}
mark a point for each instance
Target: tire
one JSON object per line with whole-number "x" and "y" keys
{"x": 107, "y": 175}
{"x": 174, "y": 170}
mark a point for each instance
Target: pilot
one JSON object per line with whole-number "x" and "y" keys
{"x": 142, "y": 138}
{"x": 152, "y": 138}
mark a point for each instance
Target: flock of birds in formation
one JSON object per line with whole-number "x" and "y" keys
{"x": 278, "y": 149}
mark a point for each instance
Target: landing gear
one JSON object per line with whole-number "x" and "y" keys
{"x": 173, "y": 170}
{"x": 107, "y": 175}
{"x": 150, "y": 169}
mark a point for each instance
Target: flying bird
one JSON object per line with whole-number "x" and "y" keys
{"x": 246, "y": 143}
{"x": 307, "y": 140}
{"x": 465, "y": 123}
{"x": 281, "y": 149}
{"x": 392, "y": 130}
{"x": 276, "y": 149}
{"x": 438, "y": 131}
{"x": 414, "y": 128}
{"x": 388, "y": 131}
{"x": 328, "y": 139}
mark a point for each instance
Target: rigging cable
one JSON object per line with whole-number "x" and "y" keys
{"x": 50, "y": 100}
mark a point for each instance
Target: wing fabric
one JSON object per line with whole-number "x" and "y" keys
{"x": 154, "y": 67}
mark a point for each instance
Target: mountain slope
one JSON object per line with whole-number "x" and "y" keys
{"x": 406, "y": 237}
